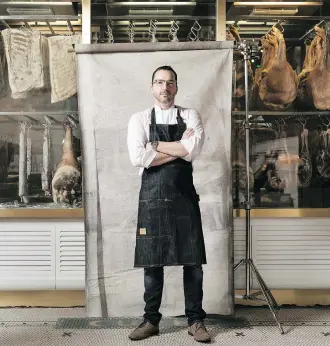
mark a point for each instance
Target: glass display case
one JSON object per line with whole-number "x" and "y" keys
{"x": 39, "y": 122}
{"x": 40, "y": 156}
{"x": 289, "y": 122}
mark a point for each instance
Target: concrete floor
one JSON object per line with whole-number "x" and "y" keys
{"x": 249, "y": 326}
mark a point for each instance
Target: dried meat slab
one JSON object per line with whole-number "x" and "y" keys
{"x": 62, "y": 66}
{"x": 25, "y": 60}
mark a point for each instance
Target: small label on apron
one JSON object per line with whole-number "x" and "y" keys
{"x": 143, "y": 231}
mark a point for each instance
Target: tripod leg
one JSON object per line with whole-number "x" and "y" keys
{"x": 267, "y": 297}
{"x": 263, "y": 284}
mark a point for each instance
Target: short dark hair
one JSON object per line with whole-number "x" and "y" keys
{"x": 166, "y": 68}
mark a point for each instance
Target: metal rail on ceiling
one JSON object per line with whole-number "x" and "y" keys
{"x": 282, "y": 113}
{"x": 275, "y": 18}
{"x": 41, "y": 114}
{"x": 40, "y": 18}
{"x": 148, "y": 16}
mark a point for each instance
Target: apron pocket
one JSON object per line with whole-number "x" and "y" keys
{"x": 156, "y": 218}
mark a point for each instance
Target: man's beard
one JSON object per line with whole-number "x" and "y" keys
{"x": 165, "y": 98}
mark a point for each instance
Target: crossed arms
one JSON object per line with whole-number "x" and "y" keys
{"x": 140, "y": 151}
{"x": 169, "y": 151}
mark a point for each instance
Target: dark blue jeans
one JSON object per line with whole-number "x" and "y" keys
{"x": 193, "y": 293}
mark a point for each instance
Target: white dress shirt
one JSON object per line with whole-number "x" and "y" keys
{"x": 138, "y": 134}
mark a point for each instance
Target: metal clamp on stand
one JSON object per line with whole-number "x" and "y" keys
{"x": 249, "y": 51}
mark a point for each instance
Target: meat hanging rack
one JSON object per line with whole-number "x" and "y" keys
{"x": 48, "y": 19}
{"x": 280, "y": 113}
{"x": 35, "y": 117}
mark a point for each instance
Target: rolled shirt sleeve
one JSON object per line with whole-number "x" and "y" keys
{"x": 195, "y": 143}
{"x": 136, "y": 142}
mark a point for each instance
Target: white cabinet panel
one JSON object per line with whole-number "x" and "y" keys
{"x": 288, "y": 253}
{"x": 70, "y": 255}
{"x": 295, "y": 255}
{"x": 27, "y": 256}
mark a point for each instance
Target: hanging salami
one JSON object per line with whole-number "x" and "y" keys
{"x": 23, "y": 185}
{"x": 46, "y": 175}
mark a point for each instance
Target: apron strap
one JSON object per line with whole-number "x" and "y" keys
{"x": 153, "y": 117}
{"x": 179, "y": 118}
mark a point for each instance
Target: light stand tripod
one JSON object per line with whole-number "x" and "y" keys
{"x": 249, "y": 51}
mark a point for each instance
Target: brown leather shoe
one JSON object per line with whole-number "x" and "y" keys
{"x": 199, "y": 332}
{"x": 144, "y": 331}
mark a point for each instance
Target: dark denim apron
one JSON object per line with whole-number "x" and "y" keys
{"x": 169, "y": 229}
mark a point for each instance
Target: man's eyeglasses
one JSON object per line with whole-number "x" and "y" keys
{"x": 161, "y": 82}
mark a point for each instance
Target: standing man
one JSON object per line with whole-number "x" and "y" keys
{"x": 163, "y": 141}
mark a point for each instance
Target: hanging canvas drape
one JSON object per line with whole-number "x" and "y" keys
{"x": 113, "y": 83}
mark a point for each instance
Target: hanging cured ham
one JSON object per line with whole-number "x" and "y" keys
{"x": 268, "y": 51}
{"x": 304, "y": 97}
{"x": 276, "y": 82}
{"x": 66, "y": 182}
{"x": 318, "y": 81}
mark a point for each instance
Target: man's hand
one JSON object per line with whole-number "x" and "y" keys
{"x": 188, "y": 133}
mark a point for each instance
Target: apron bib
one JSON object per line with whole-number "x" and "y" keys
{"x": 169, "y": 229}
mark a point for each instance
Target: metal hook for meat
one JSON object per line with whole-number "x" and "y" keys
{"x": 24, "y": 123}
{"x": 302, "y": 120}
{"x": 321, "y": 22}
{"x": 153, "y": 31}
{"x": 28, "y": 125}
{"x": 130, "y": 31}
{"x": 280, "y": 27}
{"x": 277, "y": 124}
{"x": 71, "y": 121}
{"x": 283, "y": 121}
{"x": 328, "y": 124}
{"x": 174, "y": 32}
{"x": 320, "y": 116}
{"x": 109, "y": 31}
{"x": 194, "y": 32}
{"x": 23, "y": 26}
{"x": 48, "y": 121}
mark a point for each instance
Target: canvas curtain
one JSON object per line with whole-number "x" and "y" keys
{"x": 113, "y": 83}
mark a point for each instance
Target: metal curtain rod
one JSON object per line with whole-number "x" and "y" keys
{"x": 148, "y": 16}
{"x": 279, "y": 113}
{"x": 51, "y": 113}
{"x": 273, "y": 18}
{"x": 37, "y": 18}
{"x": 311, "y": 30}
